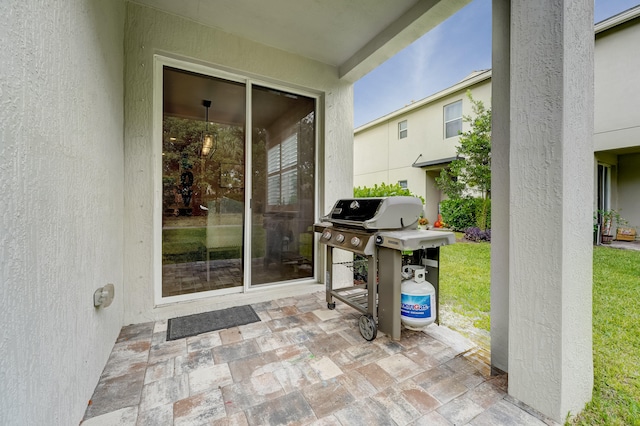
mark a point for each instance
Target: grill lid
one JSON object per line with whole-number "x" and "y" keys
{"x": 376, "y": 213}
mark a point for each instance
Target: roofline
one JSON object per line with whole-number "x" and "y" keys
{"x": 618, "y": 19}
{"x": 600, "y": 27}
{"x": 478, "y": 78}
{"x": 438, "y": 162}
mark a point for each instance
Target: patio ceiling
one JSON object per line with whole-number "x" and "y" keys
{"x": 355, "y": 35}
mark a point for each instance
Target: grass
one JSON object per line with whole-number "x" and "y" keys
{"x": 465, "y": 280}
{"x": 182, "y": 244}
{"x": 616, "y": 339}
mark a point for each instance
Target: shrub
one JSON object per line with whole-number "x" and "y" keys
{"x": 383, "y": 190}
{"x": 476, "y": 234}
{"x": 463, "y": 213}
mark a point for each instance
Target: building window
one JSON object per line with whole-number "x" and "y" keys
{"x": 604, "y": 187}
{"x": 282, "y": 169}
{"x": 452, "y": 119}
{"x": 403, "y": 184}
{"x": 402, "y": 129}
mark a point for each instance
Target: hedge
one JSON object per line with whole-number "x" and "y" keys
{"x": 463, "y": 213}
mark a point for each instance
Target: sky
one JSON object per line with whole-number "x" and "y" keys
{"x": 439, "y": 59}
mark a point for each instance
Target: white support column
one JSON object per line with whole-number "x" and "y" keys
{"x": 500, "y": 185}
{"x": 550, "y": 187}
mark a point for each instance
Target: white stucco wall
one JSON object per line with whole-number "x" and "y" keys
{"x": 150, "y": 32}
{"x": 61, "y": 227}
{"x": 550, "y": 227}
{"x": 617, "y": 87}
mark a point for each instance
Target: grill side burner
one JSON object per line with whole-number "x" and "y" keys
{"x": 381, "y": 230}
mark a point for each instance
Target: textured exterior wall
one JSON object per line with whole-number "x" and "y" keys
{"x": 500, "y": 175}
{"x": 149, "y": 32}
{"x": 550, "y": 240}
{"x": 617, "y": 87}
{"x": 61, "y": 227}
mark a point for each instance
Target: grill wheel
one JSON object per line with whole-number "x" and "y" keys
{"x": 368, "y": 328}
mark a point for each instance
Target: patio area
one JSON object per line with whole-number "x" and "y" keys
{"x": 301, "y": 364}
{"x": 626, "y": 245}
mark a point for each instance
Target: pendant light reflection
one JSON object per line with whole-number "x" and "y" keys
{"x": 207, "y": 140}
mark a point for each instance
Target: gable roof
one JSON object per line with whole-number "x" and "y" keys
{"x": 474, "y": 78}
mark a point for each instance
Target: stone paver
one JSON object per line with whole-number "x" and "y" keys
{"x": 302, "y": 364}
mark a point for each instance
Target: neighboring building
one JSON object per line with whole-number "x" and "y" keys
{"x": 411, "y": 145}
{"x": 617, "y": 115}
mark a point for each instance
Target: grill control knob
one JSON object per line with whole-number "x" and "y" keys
{"x": 355, "y": 241}
{"x": 326, "y": 235}
{"x": 339, "y": 238}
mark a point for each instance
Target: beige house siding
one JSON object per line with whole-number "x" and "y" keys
{"x": 629, "y": 187}
{"x": 381, "y": 156}
{"x": 617, "y": 87}
{"x": 617, "y": 110}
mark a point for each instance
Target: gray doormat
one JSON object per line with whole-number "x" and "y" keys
{"x": 191, "y": 325}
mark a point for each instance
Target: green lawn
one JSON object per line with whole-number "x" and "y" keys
{"x": 616, "y": 339}
{"x": 465, "y": 284}
{"x": 464, "y": 281}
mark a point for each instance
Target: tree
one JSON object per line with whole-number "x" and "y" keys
{"x": 471, "y": 170}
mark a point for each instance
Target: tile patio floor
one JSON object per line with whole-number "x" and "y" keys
{"x": 301, "y": 365}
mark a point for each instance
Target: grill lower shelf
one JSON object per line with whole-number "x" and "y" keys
{"x": 355, "y": 296}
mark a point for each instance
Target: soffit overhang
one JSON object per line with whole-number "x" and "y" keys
{"x": 355, "y": 36}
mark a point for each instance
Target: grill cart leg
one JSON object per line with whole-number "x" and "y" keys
{"x": 329, "y": 279}
{"x": 389, "y": 271}
{"x": 372, "y": 287}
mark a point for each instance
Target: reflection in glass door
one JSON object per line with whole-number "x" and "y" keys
{"x": 203, "y": 182}
{"x": 283, "y": 185}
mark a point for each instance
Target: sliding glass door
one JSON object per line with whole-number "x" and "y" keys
{"x": 283, "y": 182}
{"x": 203, "y": 181}
{"x": 227, "y": 194}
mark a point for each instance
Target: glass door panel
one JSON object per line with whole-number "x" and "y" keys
{"x": 203, "y": 168}
{"x": 283, "y": 185}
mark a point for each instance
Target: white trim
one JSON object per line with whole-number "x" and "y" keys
{"x": 319, "y": 250}
{"x": 618, "y": 19}
{"x": 248, "y": 188}
{"x": 156, "y": 150}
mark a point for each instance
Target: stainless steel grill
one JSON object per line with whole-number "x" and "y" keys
{"x": 382, "y": 231}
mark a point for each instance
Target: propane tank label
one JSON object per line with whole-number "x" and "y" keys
{"x": 414, "y": 306}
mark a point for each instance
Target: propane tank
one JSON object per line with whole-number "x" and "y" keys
{"x": 417, "y": 298}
